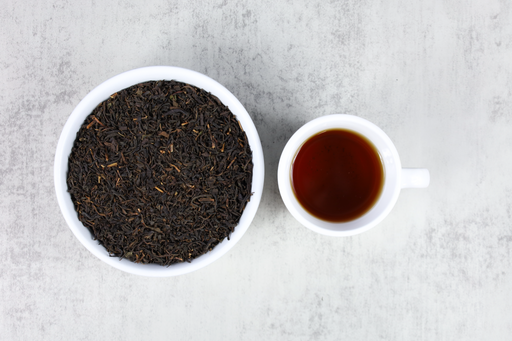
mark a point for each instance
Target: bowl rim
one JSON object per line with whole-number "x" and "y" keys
{"x": 125, "y": 80}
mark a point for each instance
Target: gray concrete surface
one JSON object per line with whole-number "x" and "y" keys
{"x": 435, "y": 75}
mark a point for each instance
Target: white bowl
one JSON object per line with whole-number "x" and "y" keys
{"x": 101, "y": 93}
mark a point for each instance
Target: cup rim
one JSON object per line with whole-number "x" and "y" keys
{"x": 125, "y": 80}
{"x": 391, "y": 186}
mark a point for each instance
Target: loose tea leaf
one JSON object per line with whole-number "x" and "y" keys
{"x": 160, "y": 173}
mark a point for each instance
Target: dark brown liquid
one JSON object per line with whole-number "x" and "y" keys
{"x": 337, "y": 175}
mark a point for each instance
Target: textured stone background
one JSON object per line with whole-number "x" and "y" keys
{"x": 435, "y": 75}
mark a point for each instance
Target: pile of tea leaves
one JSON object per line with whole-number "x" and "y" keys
{"x": 160, "y": 173}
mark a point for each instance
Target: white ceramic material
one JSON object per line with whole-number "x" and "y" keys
{"x": 395, "y": 177}
{"x": 102, "y": 92}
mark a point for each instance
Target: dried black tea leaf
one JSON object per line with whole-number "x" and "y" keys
{"x": 160, "y": 173}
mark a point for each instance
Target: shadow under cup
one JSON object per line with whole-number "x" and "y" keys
{"x": 390, "y": 163}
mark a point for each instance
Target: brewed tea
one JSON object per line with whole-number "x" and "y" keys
{"x": 337, "y": 175}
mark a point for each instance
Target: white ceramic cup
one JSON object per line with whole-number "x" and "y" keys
{"x": 395, "y": 177}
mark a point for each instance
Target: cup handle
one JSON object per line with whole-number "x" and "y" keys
{"x": 415, "y": 178}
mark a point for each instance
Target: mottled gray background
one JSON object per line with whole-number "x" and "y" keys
{"x": 435, "y": 75}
